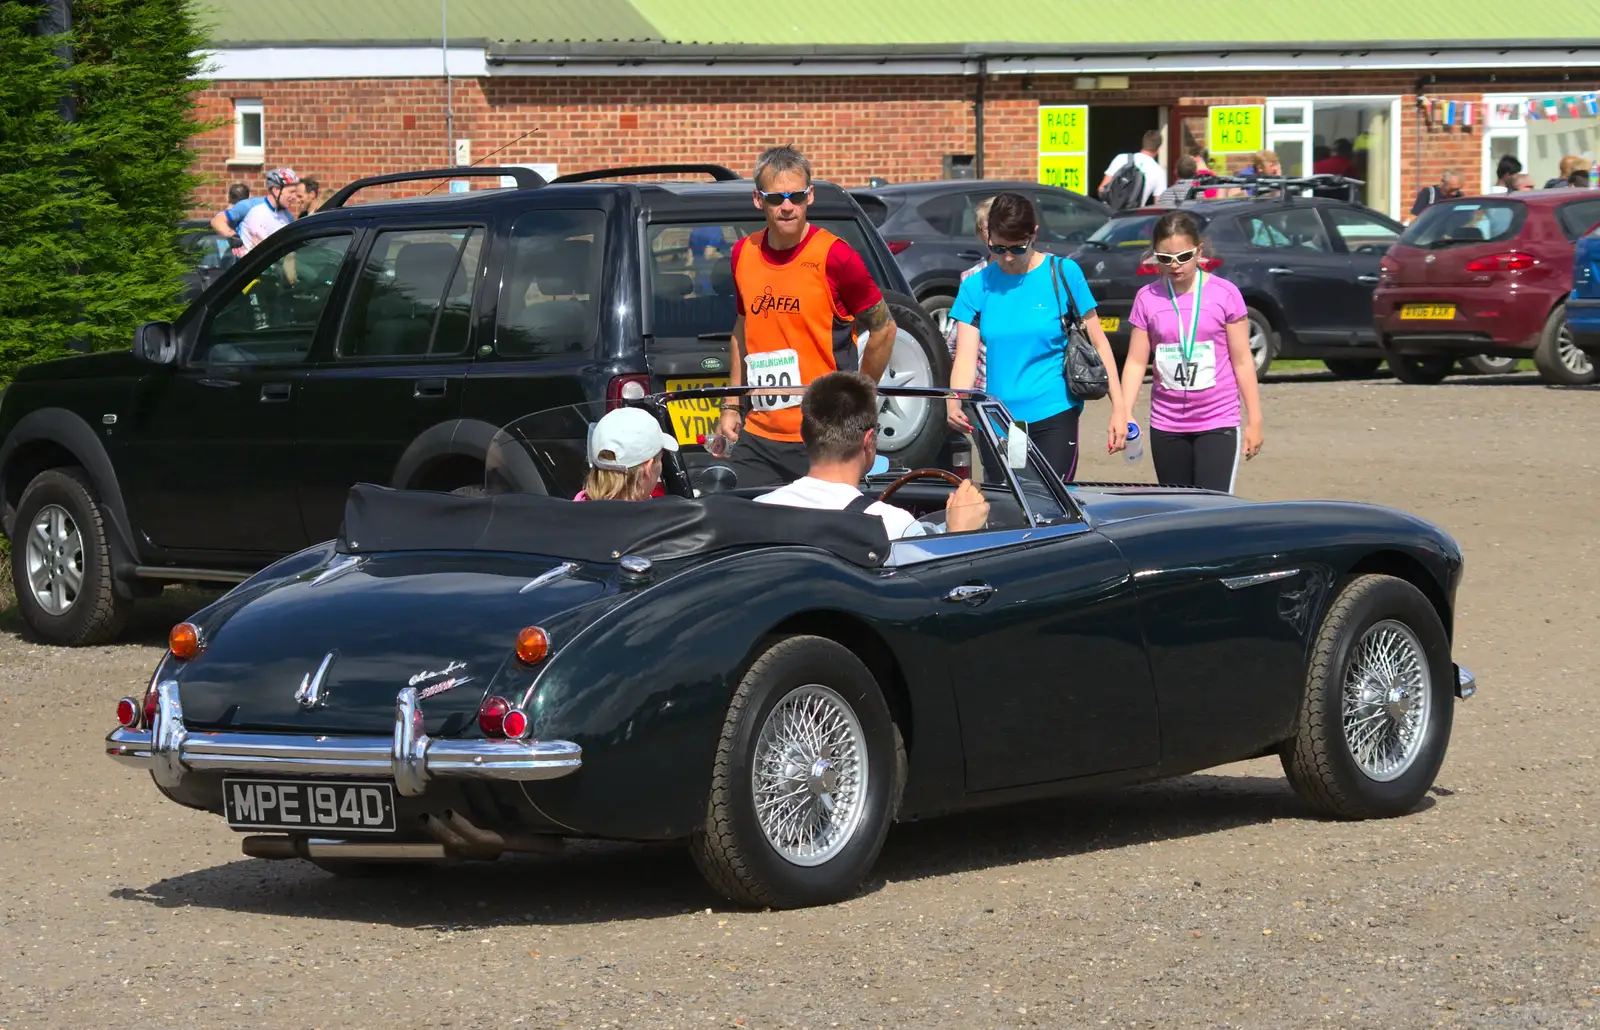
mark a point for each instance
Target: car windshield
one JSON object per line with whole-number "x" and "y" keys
{"x": 547, "y": 453}
{"x": 1458, "y": 222}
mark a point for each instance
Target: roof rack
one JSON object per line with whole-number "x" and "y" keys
{"x": 717, "y": 172}
{"x": 1281, "y": 186}
{"x": 526, "y": 178}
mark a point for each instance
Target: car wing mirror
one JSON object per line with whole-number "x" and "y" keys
{"x": 880, "y": 465}
{"x": 155, "y": 343}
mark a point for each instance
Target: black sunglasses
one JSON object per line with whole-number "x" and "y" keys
{"x": 1180, "y": 258}
{"x": 775, "y": 198}
{"x": 1012, "y": 248}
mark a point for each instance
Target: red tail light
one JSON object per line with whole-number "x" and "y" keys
{"x": 1510, "y": 261}
{"x": 150, "y": 709}
{"x": 626, "y": 388}
{"x": 898, "y": 246}
{"x": 128, "y": 713}
{"x": 492, "y": 716}
{"x": 515, "y": 724}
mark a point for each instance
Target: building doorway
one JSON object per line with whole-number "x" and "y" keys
{"x": 1113, "y": 131}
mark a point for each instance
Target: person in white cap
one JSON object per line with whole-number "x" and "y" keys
{"x": 625, "y": 457}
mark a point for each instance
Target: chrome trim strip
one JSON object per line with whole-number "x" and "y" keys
{"x": 911, "y": 550}
{"x": 310, "y": 694}
{"x": 561, "y": 571}
{"x": 209, "y": 575}
{"x": 1466, "y": 682}
{"x": 338, "y": 568}
{"x": 1241, "y": 582}
{"x": 170, "y": 750}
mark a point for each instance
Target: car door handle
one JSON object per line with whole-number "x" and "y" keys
{"x": 970, "y": 593}
{"x": 276, "y": 393}
{"x": 429, "y": 388}
{"x": 1280, "y": 270}
{"x": 1366, "y": 278}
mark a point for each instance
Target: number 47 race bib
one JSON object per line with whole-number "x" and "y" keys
{"x": 1178, "y": 374}
{"x": 773, "y": 368}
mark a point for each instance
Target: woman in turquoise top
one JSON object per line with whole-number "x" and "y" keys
{"x": 1016, "y": 302}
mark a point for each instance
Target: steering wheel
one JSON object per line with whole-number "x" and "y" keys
{"x": 916, "y": 474}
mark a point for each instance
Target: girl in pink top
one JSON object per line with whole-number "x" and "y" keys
{"x": 1194, "y": 324}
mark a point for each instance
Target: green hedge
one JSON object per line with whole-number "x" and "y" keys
{"x": 88, "y": 210}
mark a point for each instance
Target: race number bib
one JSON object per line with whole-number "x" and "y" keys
{"x": 773, "y": 368}
{"x": 1178, "y": 374}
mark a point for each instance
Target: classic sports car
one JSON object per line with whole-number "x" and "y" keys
{"x": 460, "y": 676}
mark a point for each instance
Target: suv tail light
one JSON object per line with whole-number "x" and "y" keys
{"x": 898, "y": 246}
{"x": 1208, "y": 263}
{"x": 626, "y": 388}
{"x": 1510, "y": 261}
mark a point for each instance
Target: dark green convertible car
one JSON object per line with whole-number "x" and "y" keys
{"x": 456, "y": 677}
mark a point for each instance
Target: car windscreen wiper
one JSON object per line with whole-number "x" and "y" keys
{"x": 1102, "y": 244}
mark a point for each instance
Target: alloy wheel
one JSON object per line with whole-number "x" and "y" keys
{"x": 1387, "y": 701}
{"x": 1573, "y": 359}
{"x": 54, "y": 560}
{"x": 809, "y": 775}
{"x": 901, "y": 420}
{"x": 1258, "y": 344}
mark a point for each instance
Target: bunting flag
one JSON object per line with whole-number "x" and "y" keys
{"x": 1572, "y": 105}
{"x": 1533, "y": 110}
{"x": 1466, "y": 114}
{"x": 1591, "y": 104}
{"x": 1550, "y": 109}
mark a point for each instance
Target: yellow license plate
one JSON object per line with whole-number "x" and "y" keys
{"x": 695, "y": 418}
{"x": 1427, "y": 312}
{"x": 1110, "y": 325}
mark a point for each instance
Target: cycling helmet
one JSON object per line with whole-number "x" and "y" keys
{"x": 281, "y": 177}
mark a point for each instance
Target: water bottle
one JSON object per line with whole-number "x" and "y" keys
{"x": 1135, "y": 446}
{"x": 716, "y": 444}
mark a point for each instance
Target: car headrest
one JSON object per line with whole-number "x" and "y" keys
{"x": 424, "y": 269}
{"x": 564, "y": 269}
{"x": 673, "y": 285}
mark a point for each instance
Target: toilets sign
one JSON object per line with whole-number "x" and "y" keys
{"x": 1064, "y": 146}
{"x": 1236, "y": 130}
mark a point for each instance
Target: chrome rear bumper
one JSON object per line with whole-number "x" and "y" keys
{"x": 1466, "y": 682}
{"x": 412, "y": 758}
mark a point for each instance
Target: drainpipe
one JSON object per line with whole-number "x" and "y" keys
{"x": 449, "y": 99}
{"x": 977, "y": 117}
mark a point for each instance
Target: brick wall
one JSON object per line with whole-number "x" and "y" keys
{"x": 852, "y": 128}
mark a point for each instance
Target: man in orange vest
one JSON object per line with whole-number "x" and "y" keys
{"x": 801, "y": 290}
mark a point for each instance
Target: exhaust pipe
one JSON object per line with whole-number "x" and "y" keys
{"x": 455, "y": 834}
{"x": 264, "y": 846}
{"x": 461, "y": 834}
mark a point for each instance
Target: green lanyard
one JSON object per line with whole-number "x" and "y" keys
{"x": 1186, "y": 347}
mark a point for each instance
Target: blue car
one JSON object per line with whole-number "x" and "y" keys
{"x": 1583, "y": 307}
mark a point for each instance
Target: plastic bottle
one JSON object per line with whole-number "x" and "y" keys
{"x": 1135, "y": 447}
{"x": 715, "y": 444}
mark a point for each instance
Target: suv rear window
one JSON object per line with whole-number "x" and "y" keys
{"x": 1458, "y": 222}
{"x": 1130, "y": 230}
{"x": 691, "y": 272}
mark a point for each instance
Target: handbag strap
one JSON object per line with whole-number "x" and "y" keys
{"x": 1056, "y": 280}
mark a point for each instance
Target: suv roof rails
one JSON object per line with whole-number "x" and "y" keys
{"x": 1255, "y": 183}
{"x": 718, "y": 173}
{"x": 527, "y": 179}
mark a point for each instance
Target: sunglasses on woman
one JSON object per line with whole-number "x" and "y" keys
{"x": 776, "y": 199}
{"x": 1009, "y": 248}
{"x": 1183, "y": 257}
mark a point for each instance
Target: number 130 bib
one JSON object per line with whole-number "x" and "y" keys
{"x": 1178, "y": 374}
{"x": 773, "y": 368}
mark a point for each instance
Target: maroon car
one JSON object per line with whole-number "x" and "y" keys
{"x": 1485, "y": 275}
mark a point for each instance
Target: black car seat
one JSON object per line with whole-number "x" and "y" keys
{"x": 560, "y": 319}
{"x": 401, "y": 311}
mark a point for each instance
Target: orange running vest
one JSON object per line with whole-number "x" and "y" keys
{"x": 793, "y": 332}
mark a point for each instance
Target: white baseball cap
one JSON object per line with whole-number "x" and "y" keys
{"x": 631, "y": 436}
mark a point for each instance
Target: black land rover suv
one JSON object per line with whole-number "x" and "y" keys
{"x": 385, "y": 342}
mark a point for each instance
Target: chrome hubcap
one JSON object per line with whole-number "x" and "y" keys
{"x": 809, "y": 777}
{"x": 941, "y": 321}
{"x": 1258, "y": 343}
{"x": 1388, "y": 701}
{"x": 1573, "y": 359}
{"x": 54, "y": 560}
{"x": 901, "y": 419}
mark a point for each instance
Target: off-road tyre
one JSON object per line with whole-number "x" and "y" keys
{"x": 1547, "y": 356}
{"x": 731, "y": 851}
{"x": 1317, "y": 758}
{"x": 1421, "y": 371}
{"x": 97, "y": 614}
{"x": 1353, "y": 368}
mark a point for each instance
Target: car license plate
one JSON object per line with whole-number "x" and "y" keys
{"x": 1427, "y": 312}
{"x": 1111, "y": 324}
{"x": 694, "y": 418}
{"x": 358, "y": 807}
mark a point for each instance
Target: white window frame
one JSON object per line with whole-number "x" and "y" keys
{"x": 1304, "y": 133}
{"x": 1503, "y": 128}
{"x": 244, "y": 155}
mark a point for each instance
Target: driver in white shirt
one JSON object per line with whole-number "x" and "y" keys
{"x": 839, "y": 424}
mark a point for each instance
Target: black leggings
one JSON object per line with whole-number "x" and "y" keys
{"x": 1209, "y": 460}
{"x": 1057, "y": 439}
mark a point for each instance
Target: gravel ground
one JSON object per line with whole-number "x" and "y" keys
{"x": 1211, "y": 901}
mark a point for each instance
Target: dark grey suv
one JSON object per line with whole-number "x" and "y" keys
{"x": 930, "y": 229}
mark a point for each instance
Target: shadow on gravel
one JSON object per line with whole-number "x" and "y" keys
{"x": 598, "y": 882}
{"x": 148, "y": 626}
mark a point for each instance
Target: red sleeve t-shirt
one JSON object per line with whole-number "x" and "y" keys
{"x": 848, "y": 279}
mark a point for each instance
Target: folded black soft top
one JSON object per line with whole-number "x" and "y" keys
{"x": 378, "y": 518}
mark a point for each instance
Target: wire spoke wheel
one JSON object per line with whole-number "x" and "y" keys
{"x": 1387, "y": 701}
{"x": 809, "y": 775}
{"x": 54, "y": 559}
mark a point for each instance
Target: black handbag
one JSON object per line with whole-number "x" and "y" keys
{"x": 1084, "y": 371}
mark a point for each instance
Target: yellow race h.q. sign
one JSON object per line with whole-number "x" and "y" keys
{"x": 1236, "y": 130}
